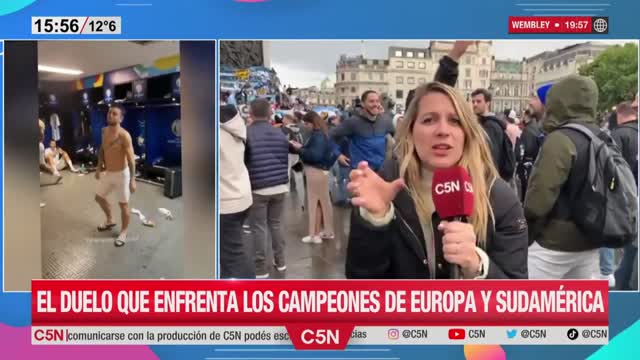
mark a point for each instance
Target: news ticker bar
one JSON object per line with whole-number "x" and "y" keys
{"x": 369, "y": 335}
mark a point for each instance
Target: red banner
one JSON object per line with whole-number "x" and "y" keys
{"x": 287, "y": 303}
{"x": 550, "y": 24}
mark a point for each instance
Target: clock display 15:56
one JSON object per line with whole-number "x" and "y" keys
{"x": 51, "y": 25}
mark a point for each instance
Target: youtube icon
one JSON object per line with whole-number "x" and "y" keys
{"x": 457, "y": 334}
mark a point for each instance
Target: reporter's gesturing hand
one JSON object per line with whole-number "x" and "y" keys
{"x": 370, "y": 191}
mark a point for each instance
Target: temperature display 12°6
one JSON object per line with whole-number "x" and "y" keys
{"x": 89, "y": 25}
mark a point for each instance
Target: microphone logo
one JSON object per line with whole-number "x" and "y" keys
{"x": 452, "y": 186}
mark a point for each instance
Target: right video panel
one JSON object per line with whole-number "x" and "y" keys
{"x": 429, "y": 160}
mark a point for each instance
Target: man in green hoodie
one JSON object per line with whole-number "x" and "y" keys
{"x": 560, "y": 249}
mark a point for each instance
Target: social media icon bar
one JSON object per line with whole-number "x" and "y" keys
{"x": 457, "y": 334}
{"x": 512, "y": 333}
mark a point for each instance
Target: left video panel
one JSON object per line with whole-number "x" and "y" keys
{"x": 102, "y": 197}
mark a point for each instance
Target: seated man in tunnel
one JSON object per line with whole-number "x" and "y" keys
{"x": 116, "y": 155}
{"x": 57, "y": 159}
{"x": 45, "y": 164}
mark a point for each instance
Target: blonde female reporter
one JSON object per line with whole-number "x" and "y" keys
{"x": 395, "y": 232}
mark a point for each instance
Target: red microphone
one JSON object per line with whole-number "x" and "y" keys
{"x": 452, "y": 193}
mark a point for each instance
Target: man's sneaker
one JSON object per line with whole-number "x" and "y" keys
{"x": 245, "y": 226}
{"x": 610, "y": 278}
{"x": 280, "y": 268}
{"x": 312, "y": 239}
{"x": 262, "y": 276}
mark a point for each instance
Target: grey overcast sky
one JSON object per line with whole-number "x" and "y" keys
{"x": 307, "y": 63}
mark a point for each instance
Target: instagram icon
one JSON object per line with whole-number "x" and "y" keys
{"x": 393, "y": 334}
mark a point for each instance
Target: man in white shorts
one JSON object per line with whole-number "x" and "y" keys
{"x": 117, "y": 158}
{"x": 57, "y": 159}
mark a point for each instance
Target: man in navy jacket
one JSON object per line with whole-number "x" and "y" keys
{"x": 267, "y": 159}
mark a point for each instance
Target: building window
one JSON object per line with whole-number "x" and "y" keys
{"x": 517, "y": 92}
{"x": 484, "y": 61}
{"x": 421, "y": 65}
{"x": 409, "y": 53}
{"x": 467, "y": 60}
{"x": 342, "y": 76}
{"x": 381, "y": 76}
{"x": 467, "y": 84}
{"x": 411, "y": 64}
{"x": 370, "y": 76}
{"x": 421, "y": 80}
{"x": 467, "y": 72}
{"x": 483, "y": 84}
{"x": 399, "y": 94}
{"x": 398, "y": 53}
{"x": 399, "y": 64}
{"x": 399, "y": 80}
{"x": 353, "y": 89}
{"x": 421, "y": 55}
{"x": 353, "y": 76}
{"x": 411, "y": 80}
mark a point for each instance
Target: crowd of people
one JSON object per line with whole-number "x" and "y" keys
{"x": 554, "y": 189}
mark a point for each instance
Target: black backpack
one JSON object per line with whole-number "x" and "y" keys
{"x": 605, "y": 208}
{"x": 507, "y": 165}
{"x": 635, "y": 164}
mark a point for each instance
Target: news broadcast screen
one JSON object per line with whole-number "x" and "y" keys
{"x": 306, "y": 179}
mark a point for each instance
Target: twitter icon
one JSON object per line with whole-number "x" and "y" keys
{"x": 512, "y": 333}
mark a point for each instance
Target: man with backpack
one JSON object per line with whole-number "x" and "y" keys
{"x": 626, "y": 136}
{"x": 531, "y": 138}
{"x": 531, "y": 141}
{"x": 501, "y": 137}
{"x": 581, "y": 194}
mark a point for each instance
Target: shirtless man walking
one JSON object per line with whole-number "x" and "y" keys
{"x": 116, "y": 155}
